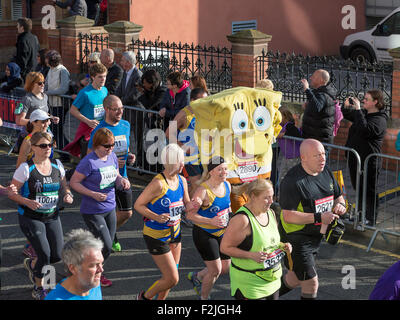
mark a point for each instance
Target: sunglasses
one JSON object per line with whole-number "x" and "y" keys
{"x": 44, "y": 145}
{"x": 108, "y": 146}
{"x": 40, "y": 83}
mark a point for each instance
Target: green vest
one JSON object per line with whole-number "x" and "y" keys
{"x": 258, "y": 280}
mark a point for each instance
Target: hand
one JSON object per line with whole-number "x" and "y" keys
{"x": 339, "y": 209}
{"x": 68, "y": 198}
{"x": 328, "y": 217}
{"x": 32, "y": 204}
{"x": 12, "y": 189}
{"x": 131, "y": 158}
{"x": 356, "y": 104}
{"x": 218, "y": 222}
{"x": 287, "y": 247}
{"x": 304, "y": 106}
{"x": 163, "y": 218}
{"x": 92, "y": 123}
{"x": 305, "y": 84}
{"x": 98, "y": 196}
{"x": 124, "y": 183}
{"x": 55, "y": 120}
{"x": 162, "y": 112}
{"x": 258, "y": 257}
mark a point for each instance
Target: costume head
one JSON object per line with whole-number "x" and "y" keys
{"x": 240, "y": 125}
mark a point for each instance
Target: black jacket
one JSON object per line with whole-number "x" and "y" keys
{"x": 319, "y": 114}
{"x": 152, "y": 100}
{"x": 128, "y": 92}
{"x": 367, "y": 132}
{"x": 114, "y": 76}
{"x": 27, "y": 51}
{"x": 78, "y": 7}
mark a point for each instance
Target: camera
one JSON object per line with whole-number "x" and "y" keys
{"x": 351, "y": 101}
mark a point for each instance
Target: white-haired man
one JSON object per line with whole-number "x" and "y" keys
{"x": 83, "y": 260}
{"x": 127, "y": 89}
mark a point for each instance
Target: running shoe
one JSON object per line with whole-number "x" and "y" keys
{"x": 192, "y": 277}
{"x": 28, "y": 266}
{"x": 141, "y": 296}
{"x": 116, "y": 246}
{"x": 38, "y": 293}
{"x": 29, "y": 251}
{"x": 104, "y": 282}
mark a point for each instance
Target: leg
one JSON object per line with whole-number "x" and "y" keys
{"x": 54, "y": 233}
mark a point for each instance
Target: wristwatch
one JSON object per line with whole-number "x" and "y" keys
{"x": 317, "y": 218}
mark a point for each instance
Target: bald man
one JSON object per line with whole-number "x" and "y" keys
{"x": 309, "y": 197}
{"x": 114, "y": 71}
{"x": 319, "y": 110}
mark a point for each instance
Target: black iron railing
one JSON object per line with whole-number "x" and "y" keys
{"x": 348, "y": 77}
{"x": 213, "y": 63}
{"x": 89, "y": 43}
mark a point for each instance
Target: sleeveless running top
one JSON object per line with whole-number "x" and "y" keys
{"x": 43, "y": 189}
{"x": 258, "y": 280}
{"x": 219, "y": 206}
{"x": 171, "y": 202}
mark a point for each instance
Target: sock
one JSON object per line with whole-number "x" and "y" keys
{"x": 308, "y": 296}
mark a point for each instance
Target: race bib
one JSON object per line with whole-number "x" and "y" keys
{"x": 98, "y": 112}
{"x": 224, "y": 214}
{"x": 175, "y": 211}
{"x": 48, "y": 200}
{"x": 121, "y": 145}
{"x": 274, "y": 259}
{"x": 247, "y": 171}
{"x": 108, "y": 177}
{"x": 324, "y": 205}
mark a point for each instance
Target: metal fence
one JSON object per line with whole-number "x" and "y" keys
{"x": 349, "y": 78}
{"x": 385, "y": 197}
{"x": 89, "y": 43}
{"x": 213, "y": 63}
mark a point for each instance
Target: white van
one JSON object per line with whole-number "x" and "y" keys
{"x": 373, "y": 45}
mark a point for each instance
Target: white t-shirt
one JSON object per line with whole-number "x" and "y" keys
{"x": 22, "y": 173}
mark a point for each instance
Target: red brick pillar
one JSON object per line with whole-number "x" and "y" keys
{"x": 395, "y": 53}
{"x": 119, "y": 10}
{"x": 69, "y": 40}
{"x": 121, "y": 34}
{"x": 247, "y": 45}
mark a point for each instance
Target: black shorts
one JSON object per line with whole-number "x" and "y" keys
{"x": 157, "y": 247}
{"x": 207, "y": 245}
{"x": 305, "y": 249}
{"x": 124, "y": 199}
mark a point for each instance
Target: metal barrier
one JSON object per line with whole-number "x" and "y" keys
{"x": 9, "y": 131}
{"x": 381, "y": 190}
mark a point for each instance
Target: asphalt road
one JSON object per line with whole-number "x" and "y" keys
{"x": 346, "y": 271}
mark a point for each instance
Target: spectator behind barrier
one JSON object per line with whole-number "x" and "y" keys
{"x": 42, "y": 63}
{"x": 114, "y": 71}
{"x": 74, "y": 7}
{"x": 12, "y": 79}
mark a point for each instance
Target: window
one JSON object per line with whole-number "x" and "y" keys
{"x": 16, "y": 11}
{"x": 243, "y": 25}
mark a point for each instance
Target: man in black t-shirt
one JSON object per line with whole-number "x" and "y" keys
{"x": 310, "y": 199}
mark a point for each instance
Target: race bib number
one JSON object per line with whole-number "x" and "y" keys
{"x": 274, "y": 259}
{"x": 224, "y": 214}
{"x": 48, "y": 200}
{"x": 108, "y": 177}
{"x": 247, "y": 171}
{"x": 324, "y": 205}
{"x": 121, "y": 145}
{"x": 175, "y": 211}
{"x": 98, "y": 112}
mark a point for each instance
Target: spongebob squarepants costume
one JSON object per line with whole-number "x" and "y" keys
{"x": 239, "y": 124}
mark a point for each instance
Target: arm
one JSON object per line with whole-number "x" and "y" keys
{"x": 23, "y": 152}
{"x": 20, "y": 119}
{"x": 77, "y": 114}
{"x": 235, "y": 233}
{"x": 148, "y": 194}
{"x": 180, "y": 119}
{"x": 114, "y": 80}
{"x": 76, "y": 184}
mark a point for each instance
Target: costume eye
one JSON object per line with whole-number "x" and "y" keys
{"x": 262, "y": 118}
{"x": 240, "y": 121}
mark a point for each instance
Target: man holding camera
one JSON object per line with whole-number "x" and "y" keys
{"x": 319, "y": 110}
